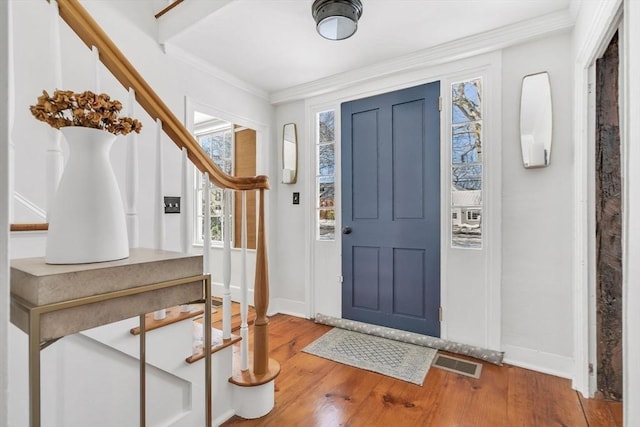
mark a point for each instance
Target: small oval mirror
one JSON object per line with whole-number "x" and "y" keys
{"x": 289, "y": 154}
{"x": 536, "y": 117}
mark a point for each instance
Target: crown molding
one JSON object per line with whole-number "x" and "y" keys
{"x": 447, "y": 52}
{"x": 208, "y": 68}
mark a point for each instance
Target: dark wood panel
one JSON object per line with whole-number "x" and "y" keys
{"x": 608, "y": 226}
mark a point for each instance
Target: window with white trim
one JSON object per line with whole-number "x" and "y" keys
{"x": 466, "y": 163}
{"x": 217, "y": 142}
{"x": 325, "y": 175}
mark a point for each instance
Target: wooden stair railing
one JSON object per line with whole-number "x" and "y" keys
{"x": 43, "y": 226}
{"x": 81, "y": 22}
{"x": 168, "y": 8}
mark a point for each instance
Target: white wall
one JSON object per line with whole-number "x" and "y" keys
{"x": 537, "y": 228}
{"x": 536, "y": 279}
{"x": 4, "y": 214}
{"x": 290, "y": 237}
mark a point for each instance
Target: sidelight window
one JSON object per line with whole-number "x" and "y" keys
{"x": 466, "y": 164}
{"x": 325, "y": 175}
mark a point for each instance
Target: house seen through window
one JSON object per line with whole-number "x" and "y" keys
{"x": 325, "y": 176}
{"x": 466, "y": 164}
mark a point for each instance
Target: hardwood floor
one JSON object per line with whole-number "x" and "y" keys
{"x": 312, "y": 391}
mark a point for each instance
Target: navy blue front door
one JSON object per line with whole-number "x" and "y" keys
{"x": 391, "y": 209}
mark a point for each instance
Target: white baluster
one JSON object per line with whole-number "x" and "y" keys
{"x": 159, "y": 203}
{"x": 54, "y": 158}
{"x": 185, "y": 229}
{"x": 131, "y": 180}
{"x": 159, "y": 197}
{"x": 226, "y": 266}
{"x": 206, "y": 227}
{"x": 96, "y": 61}
{"x": 244, "y": 309}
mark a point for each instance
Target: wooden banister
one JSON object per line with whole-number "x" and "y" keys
{"x": 261, "y": 299}
{"x": 80, "y": 21}
{"x": 168, "y": 8}
{"x": 30, "y": 227}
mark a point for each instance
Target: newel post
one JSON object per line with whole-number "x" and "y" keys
{"x": 261, "y": 299}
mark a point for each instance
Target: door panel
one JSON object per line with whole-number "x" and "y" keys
{"x": 365, "y": 165}
{"x": 391, "y": 204}
{"x": 366, "y": 287}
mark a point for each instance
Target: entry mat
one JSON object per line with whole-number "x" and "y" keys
{"x": 407, "y": 362}
{"x": 491, "y": 356}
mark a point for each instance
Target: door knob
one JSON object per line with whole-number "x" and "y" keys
{"x": 346, "y": 230}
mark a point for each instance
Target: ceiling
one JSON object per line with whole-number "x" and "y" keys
{"x": 272, "y": 45}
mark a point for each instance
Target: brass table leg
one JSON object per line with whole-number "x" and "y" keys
{"x": 207, "y": 347}
{"x": 34, "y": 369}
{"x": 143, "y": 371}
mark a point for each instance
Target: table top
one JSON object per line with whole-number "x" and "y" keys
{"x": 39, "y": 284}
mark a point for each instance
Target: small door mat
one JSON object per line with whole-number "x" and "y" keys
{"x": 458, "y": 366}
{"x": 395, "y": 359}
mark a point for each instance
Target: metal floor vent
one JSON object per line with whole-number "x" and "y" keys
{"x": 458, "y": 366}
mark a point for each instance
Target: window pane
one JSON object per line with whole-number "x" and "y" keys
{"x": 466, "y": 101}
{"x": 466, "y": 143}
{"x": 326, "y": 126}
{"x": 466, "y": 164}
{"x": 326, "y": 191}
{"x": 466, "y": 178}
{"x": 327, "y": 222}
{"x": 326, "y": 159}
{"x": 466, "y": 226}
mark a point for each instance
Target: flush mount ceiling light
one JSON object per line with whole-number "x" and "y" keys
{"x": 336, "y": 19}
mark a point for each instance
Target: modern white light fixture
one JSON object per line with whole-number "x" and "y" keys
{"x": 336, "y": 19}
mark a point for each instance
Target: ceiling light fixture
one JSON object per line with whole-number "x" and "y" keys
{"x": 336, "y": 19}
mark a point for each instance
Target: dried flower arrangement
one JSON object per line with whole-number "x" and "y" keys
{"x": 86, "y": 109}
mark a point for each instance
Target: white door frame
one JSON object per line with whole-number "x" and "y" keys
{"x": 608, "y": 21}
{"x": 444, "y": 72}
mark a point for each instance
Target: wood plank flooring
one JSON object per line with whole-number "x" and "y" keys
{"x": 314, "y": 392}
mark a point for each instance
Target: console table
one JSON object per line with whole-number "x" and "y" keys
{"x": 49, "y": 302}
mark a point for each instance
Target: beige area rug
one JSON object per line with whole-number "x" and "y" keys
{"x": 403, "y": 361}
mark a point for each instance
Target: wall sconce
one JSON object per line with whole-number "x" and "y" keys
{"x": 289, "y": 154}
{"x": 336, "y": 19}
{"x": 536, "y": 120}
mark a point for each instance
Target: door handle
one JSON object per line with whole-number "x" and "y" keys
{"x": 346, "y": 230}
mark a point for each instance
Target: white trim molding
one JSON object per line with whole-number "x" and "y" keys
{"x": 596, "y": 34}
{"x": 631, "y": 246}
{"x": 489, "y": 318}
{"x": 540, "y": 361}
{"x": 288, "y": 306}
{"x": 208, "y": 68}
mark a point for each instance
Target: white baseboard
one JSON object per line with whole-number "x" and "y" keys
{"x": 224, "y": 417}
{"x": 217, "y": 289}
{"x": 287, "y": 306}
{"x": 540, "y": 361}
{"x": 276, "y": 305}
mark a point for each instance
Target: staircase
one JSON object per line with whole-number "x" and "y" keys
{"x": 246, "y": 390}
